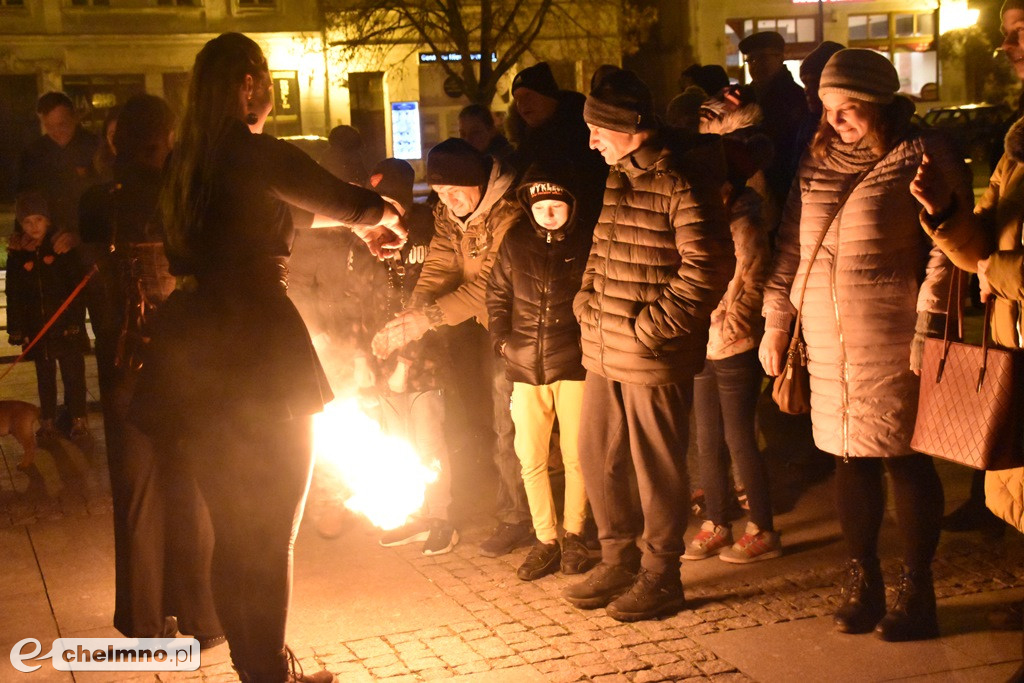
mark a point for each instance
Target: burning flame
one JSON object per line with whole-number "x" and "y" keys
{"x": 381, "y": 476}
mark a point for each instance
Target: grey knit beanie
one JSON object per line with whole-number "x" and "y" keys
{"x": 860, "y": 74}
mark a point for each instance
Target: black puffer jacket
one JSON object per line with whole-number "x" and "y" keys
{"x": 531, "y": 289}
{"x": 661, "y": 260}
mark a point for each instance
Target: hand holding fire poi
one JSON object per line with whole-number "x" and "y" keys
{"x": 410, "y": 325}
{"x": 388, "y": 236}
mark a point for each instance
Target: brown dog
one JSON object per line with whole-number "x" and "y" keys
{"x": 18, "y": 419}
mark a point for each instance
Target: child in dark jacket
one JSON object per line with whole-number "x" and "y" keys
{"x": 38, "y": 282}
{"x": 529, "y": 302}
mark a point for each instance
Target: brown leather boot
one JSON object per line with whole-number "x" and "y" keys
{"x": 863, "y": 596}
{"x": 912, "y": 616}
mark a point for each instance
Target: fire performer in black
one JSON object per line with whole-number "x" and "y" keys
{"x": 231, "y": 375}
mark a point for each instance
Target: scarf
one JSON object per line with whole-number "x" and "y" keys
{"x": 853, "y": 157}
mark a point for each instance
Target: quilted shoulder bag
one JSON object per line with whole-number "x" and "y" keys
{"x": 971, "y": 404}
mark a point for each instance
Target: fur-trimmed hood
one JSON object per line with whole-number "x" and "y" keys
{"x": 1014, "y": 141}
{"x": 723, "y": 121}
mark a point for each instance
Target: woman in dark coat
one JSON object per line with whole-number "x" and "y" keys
{"x": 162, "y": 536}
{"x": 231, "y": 374}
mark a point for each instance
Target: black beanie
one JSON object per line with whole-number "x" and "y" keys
{"x": 537, "y": 78}
{"x": 456, "y": 162}
{"x": 814, "y": 63}
{"x": 620, "y": 102}
{"x": 30, "y": 203}
{"x": 396, "y": 179}
{"x": 711, "y": 79}
{"x": 537, "y": 192}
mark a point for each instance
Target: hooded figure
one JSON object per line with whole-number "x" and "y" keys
{"x": 536, "y": 276}
{"x": 529, "y": 302}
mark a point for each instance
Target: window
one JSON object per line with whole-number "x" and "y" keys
{"x": 800, "y": 34}
{"x": 179, "y": 3}
{"x": 792, "y": 29}
{"x": 12, "y": 4}
{"x": 257, "y": 4}
{"x": 907, "y": 39}
{"x": 90, "y": 3}
{"x": 95, "y": 95}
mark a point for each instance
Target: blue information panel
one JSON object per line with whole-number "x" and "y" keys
{"x": 405, "y": 130}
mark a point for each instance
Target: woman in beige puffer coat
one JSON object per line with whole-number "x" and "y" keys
{"x": 876, "y": 287}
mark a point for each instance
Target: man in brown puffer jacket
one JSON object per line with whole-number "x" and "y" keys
{"x": 661, "y": 260}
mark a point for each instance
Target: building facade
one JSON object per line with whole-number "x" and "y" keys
{"x": 908, "y": 32}
{"x": 102, "y": 51}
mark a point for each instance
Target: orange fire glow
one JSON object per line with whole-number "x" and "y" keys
{"x": 380, "y": 476}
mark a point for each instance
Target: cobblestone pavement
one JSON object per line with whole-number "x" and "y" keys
{"x": 524, "y": 627}
{"x": 519, "y": 630}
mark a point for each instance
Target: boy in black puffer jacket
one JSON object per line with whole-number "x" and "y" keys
{"x": 529, "y": 302}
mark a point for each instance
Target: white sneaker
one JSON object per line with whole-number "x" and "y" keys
{"x": 709, "y": 540}
{"x": 755, "y": 545}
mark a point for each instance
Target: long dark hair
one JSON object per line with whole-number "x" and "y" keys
{"x": 219, "y": 70}
{"x": 889, "y": 123}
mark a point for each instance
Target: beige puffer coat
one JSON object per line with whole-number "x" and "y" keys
{"x": 736, "y": 324}
{"x": 1004, "y": 495}
{"x": 661, "y": 259}
{"x": 876, "y": 269}
{"x": 463, "y": 251}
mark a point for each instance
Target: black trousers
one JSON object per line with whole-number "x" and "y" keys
{"x": 631, "y": 431}
{"x": 163, "y": 540}
{"x": 254, "y": 477}
{"x": 72, "y": 373}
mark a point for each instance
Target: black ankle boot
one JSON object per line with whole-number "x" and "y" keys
{"x": 912, "y": 616}
{"x": 863, "y": 597}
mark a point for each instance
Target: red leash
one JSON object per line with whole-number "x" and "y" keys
{"x": 63, "y": 307}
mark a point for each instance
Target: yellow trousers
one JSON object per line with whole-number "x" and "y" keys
{"x": 534, "y": 409}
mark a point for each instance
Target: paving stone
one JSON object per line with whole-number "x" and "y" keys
{"x": 540, "y": 655}
{"x": 714, "y": 666}
{"x": 434, "y": 674}
{"x": 478, "y": 666}
{"x": 660, "y": 658}
{"x": 423, "y": 663}
{"x": 369, "y": 647}
{"x": 528, "y": 644}
{"x": 381, "y": 661}
{"x": 492, "y": 647}
{"x": 388, "y": 671}
{"x": 507, "y": 662}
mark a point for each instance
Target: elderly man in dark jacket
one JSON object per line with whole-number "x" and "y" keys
{"x": 661, "y": 259}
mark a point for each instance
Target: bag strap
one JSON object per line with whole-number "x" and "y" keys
{"x": 795, "y": 340}
{"x": 955, "y": 304}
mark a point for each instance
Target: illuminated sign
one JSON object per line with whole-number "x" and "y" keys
{"x": 406, "y": 142}
{"x": 434, "y": 57}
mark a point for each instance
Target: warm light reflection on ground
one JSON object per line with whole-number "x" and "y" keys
{"x": 375, "y": 474}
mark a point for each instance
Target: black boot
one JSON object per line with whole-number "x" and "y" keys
{"x": 912, "y": 616}
{"x": 653, "y": 594}
{"x": 863, "y": 597}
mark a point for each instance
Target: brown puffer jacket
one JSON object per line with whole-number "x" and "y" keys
{"x": 661, "y": 259}
{"x": 875, "y": 271}
{"x": 462, "y": 252}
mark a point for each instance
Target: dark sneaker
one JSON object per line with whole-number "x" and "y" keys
{"x": 441, "y": 538}
{"x": 653, "y": 594}
{"x": 576, "y": 557}
{"x": 415, "y": 530}
{"x": 710, "y": 540}
{"x": 542, "y": 560}
{"x": 863, "y": 597}
{"x": 506, "y": 538}
{"x": 912, "y": 616}
{"x": 605, "y": 583}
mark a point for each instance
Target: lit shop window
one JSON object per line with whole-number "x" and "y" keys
{"x": 907, "y": 39}
{"x": 800, "y": 34}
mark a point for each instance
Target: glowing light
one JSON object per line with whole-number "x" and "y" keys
{"x": 956, "y": 16}
{"x": 378, "y": 475}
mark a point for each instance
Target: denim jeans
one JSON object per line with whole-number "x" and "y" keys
{"x": 724, "y": 398}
